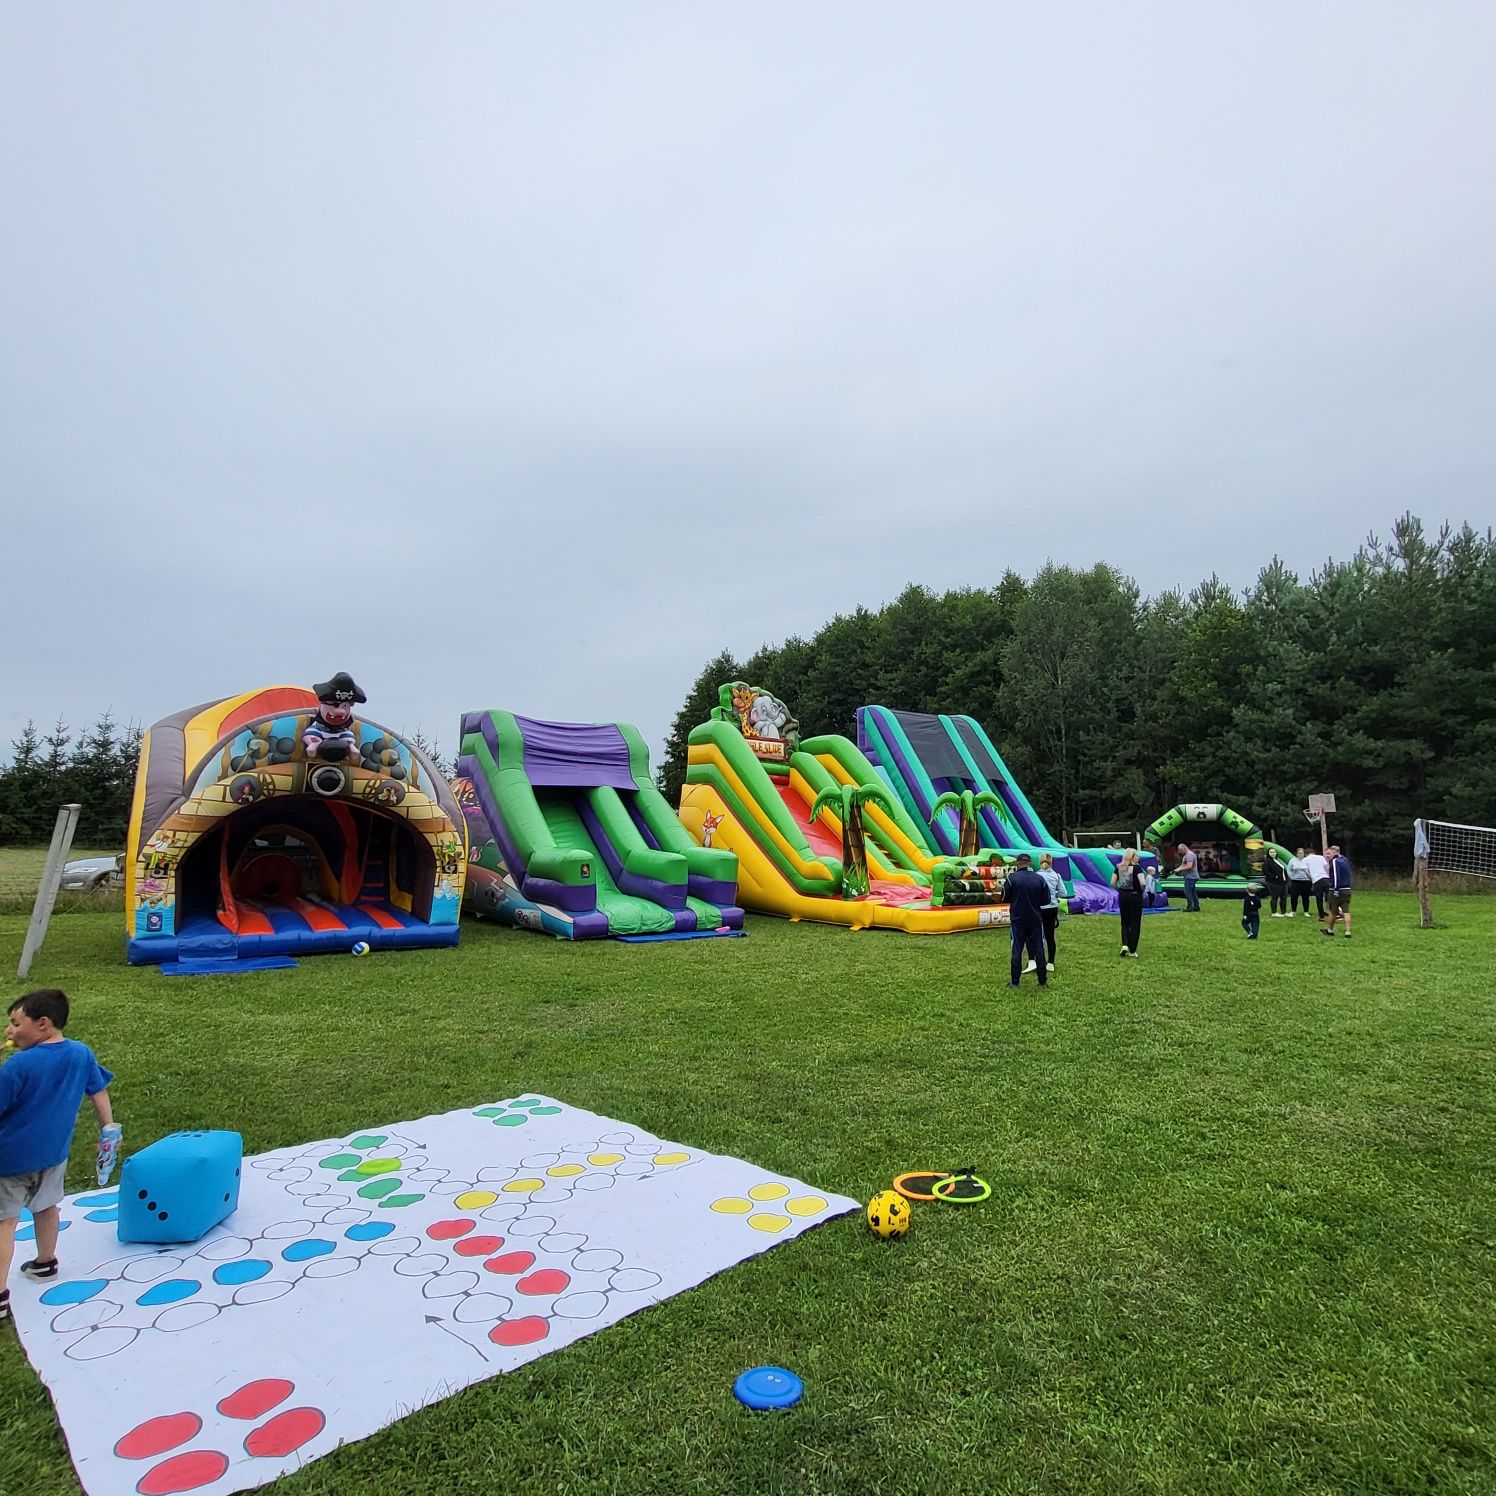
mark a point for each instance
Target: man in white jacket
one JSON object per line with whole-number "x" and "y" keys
{"x": 1319, "y": 879}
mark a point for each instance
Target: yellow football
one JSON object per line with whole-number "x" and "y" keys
{"x": 888, "y": 1215}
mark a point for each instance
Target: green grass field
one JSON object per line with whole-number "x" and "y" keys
{"x": 21, "y": 872}
{"x": 1240, "y": 1238}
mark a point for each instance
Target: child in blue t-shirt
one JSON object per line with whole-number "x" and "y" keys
{"x": 42, "y": 1086}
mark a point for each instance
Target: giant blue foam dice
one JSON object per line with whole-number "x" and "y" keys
{"x": 180, "y": 1187}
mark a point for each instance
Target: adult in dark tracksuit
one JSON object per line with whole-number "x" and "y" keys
{"x": 1127, "y": 879}
{"x": 1027, "y": 894}
{"x": 1275, "y": 875}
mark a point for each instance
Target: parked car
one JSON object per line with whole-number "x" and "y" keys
{"x": 95, "y": 872}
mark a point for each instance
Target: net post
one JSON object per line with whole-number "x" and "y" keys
{"x": 46, "y": 893}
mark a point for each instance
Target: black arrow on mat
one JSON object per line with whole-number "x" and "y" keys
{"x": 436, "y": 1319}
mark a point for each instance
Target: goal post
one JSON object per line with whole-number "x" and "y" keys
{"x": 1450, "y": 847}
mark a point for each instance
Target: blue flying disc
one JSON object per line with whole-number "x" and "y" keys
{"x": 768, "y": 1387}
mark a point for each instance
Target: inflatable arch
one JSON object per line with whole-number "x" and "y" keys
{"x": 242, "y": 845}
{"x": 1230, "y": 849}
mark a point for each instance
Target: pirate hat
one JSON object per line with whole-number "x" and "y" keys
{"x": 340, "y": 688}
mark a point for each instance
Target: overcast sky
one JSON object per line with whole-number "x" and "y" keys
{"x": 525, "y": 356}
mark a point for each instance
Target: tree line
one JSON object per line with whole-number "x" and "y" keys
{"x": 96, "y": 771}
{"x": 1374, "y": 680}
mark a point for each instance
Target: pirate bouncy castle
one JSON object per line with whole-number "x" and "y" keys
{"x": 278, "y": 822}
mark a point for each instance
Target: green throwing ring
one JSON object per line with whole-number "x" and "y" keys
{"x": 961, "y": 1189}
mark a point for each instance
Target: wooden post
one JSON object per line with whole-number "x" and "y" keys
{"x": 1420, "y": 882}
{"x": 46, "y": 893}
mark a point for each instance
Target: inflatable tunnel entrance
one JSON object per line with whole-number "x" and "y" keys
{"x": 240, "y": 845}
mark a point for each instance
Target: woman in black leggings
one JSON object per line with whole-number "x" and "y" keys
{"x": 1127, "y": 879}
{"x": 1298, "y": 884}
{"x": 1275, "y": 875}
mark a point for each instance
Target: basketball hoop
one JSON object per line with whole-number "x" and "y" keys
{"x": 1321, "y": 808}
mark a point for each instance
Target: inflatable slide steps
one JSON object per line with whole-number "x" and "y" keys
{"x": 572, "y": 838}
{"x": 787, "y": 866}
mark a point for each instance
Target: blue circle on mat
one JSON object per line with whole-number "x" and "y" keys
{"x": 768, "y": 1387}
{"x": 75, "y": 1293}
{"x": 299, "y": 1251}
{"x": 169, "y": 1292}
{"x": 241, "y": 1272}
{"x": 369, "y": 1230}
{"x": 109, "y": 1213}
{"x": 109, "y": 1197}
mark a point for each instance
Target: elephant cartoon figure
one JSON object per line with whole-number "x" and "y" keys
{"x": 766, "y": 717}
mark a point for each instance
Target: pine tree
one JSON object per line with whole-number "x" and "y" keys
{"x": 21, "y": 789}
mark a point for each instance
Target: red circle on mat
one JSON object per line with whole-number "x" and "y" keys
{"x": 183, "y": 1472}
{"x": 547, "y": 1280}
{"x": 511, "y": 1262}
{"x": 254, "y": 1398}
{"x": 156, "y": 1435}
{"x": 446, "y": 1230}
{"x": 286, "y": 1432}
{"x": 519, "y": 1331}
{"x": 478, "y": 1246}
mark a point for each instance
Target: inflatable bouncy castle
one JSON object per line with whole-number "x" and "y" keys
{"x": 278, "y": 822}
{"x": 818, "y": 835}
{"x": 570, "y": 837}
{"x": 1230, "y": 850}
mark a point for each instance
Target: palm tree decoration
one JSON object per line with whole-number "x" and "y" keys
{"x": 846, "y": 801}
{"x": 967, "y": 803}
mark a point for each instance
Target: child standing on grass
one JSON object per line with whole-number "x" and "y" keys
{"x": 1251, "y": 910}
{"x": 42, "y": 1086}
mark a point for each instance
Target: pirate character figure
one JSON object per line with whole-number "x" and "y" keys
{"x": 328, "y": 735}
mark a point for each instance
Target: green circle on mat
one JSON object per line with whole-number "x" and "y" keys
{"x": 544, "y": 1111}
{"x": 366, "y": 1141}
{"x": 339, "y": 1161}
{"x": 395, "y": 1201}
{"x": 488, "y": 1111}
{"x": 511, "y": 1119}
{"x": 378, "y": 1188}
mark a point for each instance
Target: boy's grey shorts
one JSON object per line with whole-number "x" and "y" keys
{"x": 33, "y": 1192}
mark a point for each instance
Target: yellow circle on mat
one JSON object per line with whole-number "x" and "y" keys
{"x": 475, "y": 1199}
{"x": 731, "y": 1206}
{"x": 671, "y": 1158}
{"x": 806, "y": 1205}
{"x": 600, "y": 1159}
{"x": 565, "y": 1171}
{"x": 763, "y": 1221}
{"x": 768, "y": 1191}
{"x": 523, "y": 1186}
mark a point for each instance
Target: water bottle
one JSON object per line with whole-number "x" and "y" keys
{"x": 110, "y": 1136}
